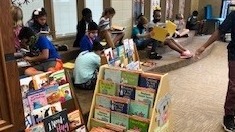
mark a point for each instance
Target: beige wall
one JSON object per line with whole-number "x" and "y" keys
{"x": 123, "y": 16}
{"x": 216, "y": 5}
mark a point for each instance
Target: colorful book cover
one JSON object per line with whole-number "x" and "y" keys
{"x": 130, "y": 78}
{"x": 103, "y": 101}
{"x": 145, "y": 95}
{"x": 102, "y": 114}
{"x": 37, "y": 99}
{"x": 107, "y": 87}
{"x": 139, "y": 108}
{"x": 126, "y": 91}
{"x": 121, "y": 53}
{"x": 75, "y": 119}
{"x": 39, "y": 114}
{"x": 65, "y": 93}
{"x": 120, "y": 104}
{"x": 81, "y": 129}
{"x": 36, "y": 128}
{"x": 138, "y": 124}
{"x": 41, "y": 80}
{"x": 27, "y": 114}
{"x": 58, "y": 77}
{"x": 133, "y": 65}
{"x": 26, "y": 85}
{"x": 171, "y": 27}
{"x": 149, "y": 80}
{"x": 56, "y": 107}
{"x": 120, "y": 119}
{"x": 109, "y": 56}
{"x": 57, "y": 123}
{"x": 97, "y": 123}
{"x": 126, "y": 47}
{"x": 52, "y": 94}
{"x": 112, "y": 75}
{"x": 159, "y": 33}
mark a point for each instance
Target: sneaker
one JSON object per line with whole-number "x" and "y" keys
{"x": 186, "y": 54}
{"x": 228, "y": 123}
{"x": 155, "y": 56}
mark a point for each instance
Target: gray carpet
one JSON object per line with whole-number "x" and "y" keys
{"x": 199, "y": 92}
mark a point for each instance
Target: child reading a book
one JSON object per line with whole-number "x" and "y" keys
{"x": 181, "y": 31}
{"x": 170, "y": 42}
{"x": 47, "y": 59}
{"x": 87, "y": 40}
{"x": 86, "y": 65}
{"x": 142, "y": 38}
{"x": 105, "y": 30}
{"x": 17, "y": 16}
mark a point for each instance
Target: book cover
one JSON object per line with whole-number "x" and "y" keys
{"x": 130, "y": 78}
{"x": 133, "y": 65}
{"x": 39, "y": 114}
{"x": 109, "y": 56}
{"x": 97, "y": 123}
{"x": 58, "y": 77}
{"x": 103, "y": 101}
{"x": 120, "y": 51}
{"x": 102, "y": 114}
{"x": 56, "y": 107}
{"x": 171, "y": 28}
{"x": 52, "y": 94}
{"x": 120, "y": 119}
{"x": 41, "y": 80}
{"x": 36, "y": 128}
{"x": 26, "y": 85}
{"x": 37, "y": 99}
{"x": 75, "y": 119}
{"x": 138, "y": 124}
{"x": 126, "y": 47}
{"x": 126, "y": 91}
{"x": 159, "y": 33}
{"x": 112, "y": 75}
{"x": 27, "y": 114}
{"x": 149, "y": 80}
{"x": 145, "y": 95}
{"x": 65, "y": 93}
{"x": 81, "y": 129}
{"x": 139, "y": 108}
{"x": 57, "y": 123}
{"x": 112, "y": 127}
{"x": 120, "y": 104}
{"x": 107, "y": 87}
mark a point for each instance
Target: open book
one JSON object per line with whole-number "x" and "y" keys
{"x": 117, "y": 29}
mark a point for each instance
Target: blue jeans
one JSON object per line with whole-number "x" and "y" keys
{"x": 142, "y": 44}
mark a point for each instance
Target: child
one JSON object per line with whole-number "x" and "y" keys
{"x": 194, "y": 24}
{"x": 87, "y": 40}
{"x": 47, "y": 60}
{"x": 181, "y": 31}
{"x": 86, "y": 65}
{"x": 105, "y": 28}
{"x": 17, "y": 16}
{"x": 38, "y": 21}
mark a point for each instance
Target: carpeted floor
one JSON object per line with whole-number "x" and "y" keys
{"x": 198, "y": 92}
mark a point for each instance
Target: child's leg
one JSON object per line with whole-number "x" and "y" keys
{"x": 118, "y": 38}
{"x": 178, "y": 45}
{"x": 173, "y": 46}
{"x": 183, "y": 32}
{"x": 54, "y": 65}
{"x": 107, "y": 35}
{"x": 32, "y": 71}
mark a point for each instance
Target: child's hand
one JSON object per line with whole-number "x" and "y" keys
{"x": 199, "y": 51}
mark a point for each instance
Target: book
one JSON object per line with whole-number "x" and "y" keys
{"x": 112, "y": 75}
{"x": 120, "y": 119}
{"x": 171, "y": 28}
{"x": 130, "y": 78}
{"x": 65, "y": 93}
{"x": 75, "y": 120}
{"x": 52, "y": 94}
{"x": 159, "y": 33}
{"x": 36, "y": 128}
{"x": 139, "y": 108}
{"x": 69, "y": 65}
{"x": 37, "y": 99}
{"x": 103, "y": 101}
{"x": 81, "y": 129}
{"x": 102, "y": 114}
{"x": 26, "y": 85}
{"x": 29, "y": 122}
{"x": 145, "y": 95}
{"x": 149, "y": 80}
{"x": 116, "y": 29}
{"x": 120, "y": 104}
{"x": 138, "y": 124}
{"x": 59, "y": 77}
{"x": 100, "y": 129}
{"x": 57, "y": 123}
{"x": 126, "y": 91}
{"x": 109, "y": 56}
{"x": 133, "y": 65}
{"x": 114, "y": 128}
{"x": 107, "y": 87}
{"x": 41, "y": 80}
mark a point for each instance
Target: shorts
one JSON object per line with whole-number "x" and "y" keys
{"x": 46, "y": 65}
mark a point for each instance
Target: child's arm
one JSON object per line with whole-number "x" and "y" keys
{"x": 44, "y": 55}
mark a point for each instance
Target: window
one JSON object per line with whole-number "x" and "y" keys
{"x": 96, "y": 7}
{"x": 65, "y": 17}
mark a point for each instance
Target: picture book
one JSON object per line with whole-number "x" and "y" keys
{"x": 26, "y": 85}
{"x": 52, "y": 94}
{"x": 145, "y": 95}
{"x": 116, "y": 29}
{"x": 36, "y": 128}
{"x": 58, "y": 77}
{"x": 120, "y": 104}
{"x": 107, "y": 87}
{"x": 41, "y": 80}
{"x": 56, "y": 107}
{"x": 120, "y": 51}
{"x": 57, "y": 123}
{"x": 112, "y": 75}
{"x": 65, "y": 93}
{"x": 139, "y": 108}
{"x": 37, "y": 99}
{"x": 126, "y": 91}
{"x": 130, "y": 78}
{"x": 27, "y": 113}
{"x": 81, "y": 129}
{"x": 159, "y": 33}
{"x": 163, "y": 110}
{"x": 120, "y": 119}
{"x": 103, "y": 101}
{"x": 149, "y": 80}
{"x": 109, "y": 56}
{"x": 97, "y": 123}
{"x": 75, "y": 119}
{"x": 133, "y": 65}
{"x": 102, "y": 114}
{"x": 112, "y": 127}
{"x": 138, "y": 124}
{"x": 126, "y": 47}
{"x": 171, "y": 28}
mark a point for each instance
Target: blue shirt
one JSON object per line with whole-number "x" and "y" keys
{"x": 136, "y": 31}
{"x": 85, "y": 65}
{"x": 44, "y": 43}
{"x": 86, "y": 43}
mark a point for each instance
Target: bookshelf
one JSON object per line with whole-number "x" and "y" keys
{"x": 159, "y": 117}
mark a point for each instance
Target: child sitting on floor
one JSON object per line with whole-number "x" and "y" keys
{"x": 181, "y": 31}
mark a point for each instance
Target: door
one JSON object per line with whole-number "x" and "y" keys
{"x": 11, "y": 108}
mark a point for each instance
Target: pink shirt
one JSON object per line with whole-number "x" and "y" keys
{"x": 16, "y": 31}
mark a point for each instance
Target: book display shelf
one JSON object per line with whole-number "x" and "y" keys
{"x": 50, "y": 103}
{"x": 132, "y": 101}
